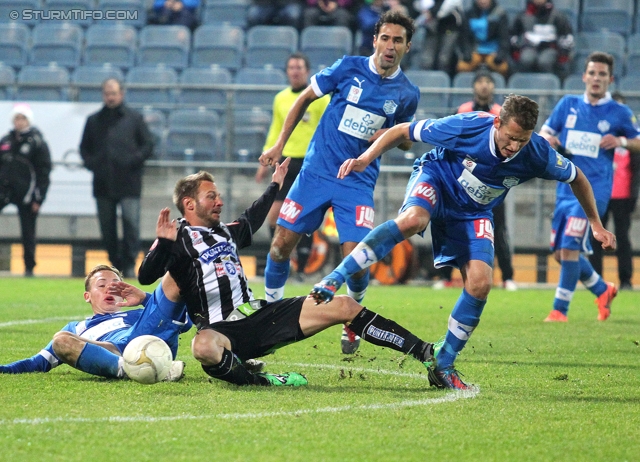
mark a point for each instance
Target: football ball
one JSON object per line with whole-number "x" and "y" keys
{"x": 147, "y": 359}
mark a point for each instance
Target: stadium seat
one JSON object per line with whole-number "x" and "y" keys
{"x": 230, "y": 12}
{"x": 88, "y": 81}
{"x": 194, "y": 82}
{"x": 7, "y": 82}
{"x": 129, "y": 12}
{"x": 157, "y": 123}
{"x": 435, "y": 101}
{"x": 194, "y": 132}
{"x": 14, "y": 42}
{"x": 250, "y": 130}
{"x": 168, "y": 45}
{"x": 630, "y": 83}
{"x": 56, "y": 42}
{"x": 609, "y": 42}
{"x": 323, "y": 45}
{"x": 533, "y": 84}
{"x": 43, "y": 83}
{"x": 248, "y": 98}
{"x": 111, "y": 43}
{"x": 72, "y": 9}
{"x": 270, "y": 45}
{"x": 7, "y": 6}
{"x": 570, "y": 8}
{"x": 464, "y": 80}
{"x": 513, "y": 8}
{"x": 612, "y": 15}
{"x": 633, "y": 55}
{"x": 222, "y": 45}
{"x": 159, "y": 82}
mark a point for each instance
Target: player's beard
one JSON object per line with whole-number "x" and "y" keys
{"x": 205, "y": 216}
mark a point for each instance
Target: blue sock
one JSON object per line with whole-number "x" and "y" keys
{"x": 463, "y": 320}
{"x": 591, "y": 280}
{"x": 96, "y": 360}
{"x": 357, "y": 288}
{"x": 375, "y": 245}
{"x": 275, "y": 277}
{"x": 569, "y": 274}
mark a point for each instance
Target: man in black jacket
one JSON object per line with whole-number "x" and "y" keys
{"x": 25, "y": 164}
{"x": 115, "y": 143}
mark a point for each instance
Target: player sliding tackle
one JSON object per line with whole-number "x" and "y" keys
{"x": 477, "y": 159}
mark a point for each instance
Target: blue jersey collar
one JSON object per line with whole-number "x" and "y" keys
{"x": 372, "y": 68}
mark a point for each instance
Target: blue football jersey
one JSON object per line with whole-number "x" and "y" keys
{"x": 580, "y": 127}
{"x": 361, "y": 103}
{"x": 475, "y": 178}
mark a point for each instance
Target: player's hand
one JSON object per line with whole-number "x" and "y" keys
{"x": 607, "y": 238}
{"x": 553, "y": 140}
{"x": 166, "y": 227}
{"x": 131, "y": 295}
{"x": 270, "y": 156}
{"x": 281, "y": 171}
{"x": 609, "y": 142}
{"x": 351, "y": 165}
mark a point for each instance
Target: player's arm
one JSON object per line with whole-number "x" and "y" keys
{"x": 404, "y": 145}
{"x": 160, "y": 256}
{"x": 584, "y": 193}
{"x": 610, "y": 141}
{"x": 390, "y": 139}
{"x": 272, "y": 155}
{"x": 548, "y": 135}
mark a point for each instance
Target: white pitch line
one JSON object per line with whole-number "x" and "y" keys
{"x": 448, "y": 398}
{"x": 39, "y": 321}
{"x": 348, "y": 366}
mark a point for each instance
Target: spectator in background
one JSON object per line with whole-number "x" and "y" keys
{"x": 442, "y": 20}
{"x": 275, "y": 13}
{"x": 175, "y": 12}
{"x": 484, "y": 38}
{"x": 298, "y": 69}
{"x": 624, "y": 196}
{"x": 542, "y": 39}
{"x": 115, "y": 144}
{"x": 328, "y": 13}
{"x": 367, "y": 18}
{"x": 25, "y": 165}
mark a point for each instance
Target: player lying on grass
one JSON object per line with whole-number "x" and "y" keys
{"x": 95, "y": 345}
{"x": 478, "y": 158}
{"x": 201, "y": 254}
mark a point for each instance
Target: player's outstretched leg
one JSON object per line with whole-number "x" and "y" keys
{"x": 605, "y": 292}
{"x": 373, "y": 247}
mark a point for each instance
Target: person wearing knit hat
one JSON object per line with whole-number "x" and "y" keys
{"x": 25, "y": 165}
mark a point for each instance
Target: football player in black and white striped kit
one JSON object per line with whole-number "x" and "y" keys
{"x": 201, "y": 254}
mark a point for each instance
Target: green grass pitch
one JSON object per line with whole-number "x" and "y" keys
{"x": 561, "y": 392}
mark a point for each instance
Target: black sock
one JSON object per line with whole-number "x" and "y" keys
{"x": 384, "y": 332}
{"x": 304, "y": 250}
{"x": 231, "y": 370}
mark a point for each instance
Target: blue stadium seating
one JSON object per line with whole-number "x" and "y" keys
{"x": 88, "y": 80}
{"x": 325, "y": 44}
{"x": 198, "y": 79}
{"x": 609, "y": 42}
{"x": 14, "y": 42}
{"x": 270, "y": 45}
{"x": 250, "y": 128}
{"x": 532, "y": 84}
{"x": 7, "y": 82}
{"x": 111, "y": 43}
{"x": 630, "y": 83}
{"x": 612, "y": 15}
{"x": 246, "y": 97}
{"x": 43, "y": 83}
{"x": 168, "y": 45}
{"x": 437, "y": 101}
{"x": 151, "y": 85}
{"x": 195, "y": 132}
{"x": 7, "y": 6}
{"x": 156, "y": 121}
{"x": 465, "y": 80}
{"x": 56, "y": 42}
{"x": 71, "y": 9}
{"x": 633, "y": 55}
{"x": 132, "y": 12}
{"x": 571, "y": 9}
{"x": 231, "y": 12}
{"x": 222, "y": 45}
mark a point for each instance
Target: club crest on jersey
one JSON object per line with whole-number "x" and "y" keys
{"x": 576, "y": 226}
{"x": 389, "y": 107}
{"x": 571, "y": 121}
{"x": 604, "y": 126}
{"x": 469, "y": 163}
{"x": 290, "y": 211}
{"x": 510, "y": 181}
{"x": 196, "y": 238}
{"x": 484, "y": 229}
{"x": 425, "y": 191}
{"x": 354, "y": 94}
{"x": 364, "y": 216}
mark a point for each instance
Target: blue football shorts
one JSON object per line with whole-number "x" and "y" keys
{"x": 309, "y": 198}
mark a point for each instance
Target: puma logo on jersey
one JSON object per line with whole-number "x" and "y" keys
{"x": 360, "y": 82}
{"x": 289, "y": 211}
